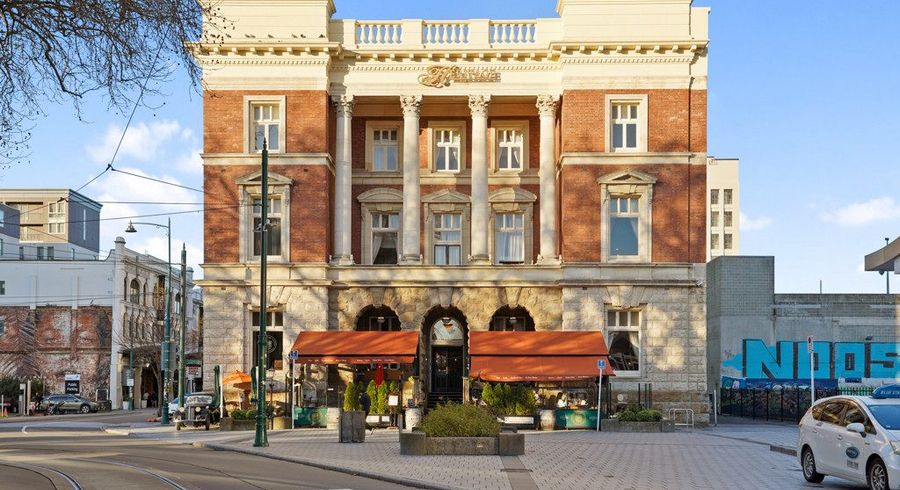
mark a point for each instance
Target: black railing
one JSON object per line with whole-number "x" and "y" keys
{"x": 778, "y": 404}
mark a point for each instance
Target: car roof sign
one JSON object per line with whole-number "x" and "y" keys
{"x": 887, "y": 391}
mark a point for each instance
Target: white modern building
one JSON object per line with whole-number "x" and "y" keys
{"x": 723, "y": 211}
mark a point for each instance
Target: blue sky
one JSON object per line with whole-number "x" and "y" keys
{"x": 804, "y": 93}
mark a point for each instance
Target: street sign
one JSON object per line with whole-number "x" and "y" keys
{"x": 809, "y": 344}
{"x": 192, "y": 372}
{"x": 294, "y": 355}
{"x": 129, "y": 382}
{"x": 601, "y": 364}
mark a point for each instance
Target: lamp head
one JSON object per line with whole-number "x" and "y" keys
{"x": 130, "y": 228}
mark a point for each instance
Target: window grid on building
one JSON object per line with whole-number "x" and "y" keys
{"x": 714, "y": 197}
{"x": 447, "y": 149}
{"x": 447, "y": 239}
{"x": 729, "y": 241}
{"x": 385, "y": 238}
{"x": 625, "y": 119}
{"x": 511, "y": 148}
{"x": 624, "y": 341}
{"x": 56, "y": 217}
{"x": 624, "y": 218}
{"x": 729, "y": 219}
{"x": 510, "y": 238}
{"x": 385, "y": 150}
{"x": 714, "y": 240}
{"x": 266, "y": 124}
{"x": 273, "y": 229}
{"x": 728, "y": 196}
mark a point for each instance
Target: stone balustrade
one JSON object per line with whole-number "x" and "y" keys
{"x": 428, "y": 34}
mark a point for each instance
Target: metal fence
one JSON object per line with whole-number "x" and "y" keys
{"x": 779, "y": 404}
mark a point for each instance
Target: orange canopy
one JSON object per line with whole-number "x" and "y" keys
{"x": 537, "y": 356}
{"x": 236, "y": 377}
{"x": 350, "y": 347}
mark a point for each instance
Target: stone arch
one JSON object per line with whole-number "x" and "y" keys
{"x": 508, "y": 318}
{"x": 383, "y": 316}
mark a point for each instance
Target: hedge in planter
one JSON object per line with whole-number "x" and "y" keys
{"x": 461, "y": 430}
{"x": 454, "y": 420}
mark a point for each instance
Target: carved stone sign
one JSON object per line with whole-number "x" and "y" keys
{"x": 439, "y": 76}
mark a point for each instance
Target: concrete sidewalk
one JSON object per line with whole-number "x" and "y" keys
{"x": 777, "y": 436}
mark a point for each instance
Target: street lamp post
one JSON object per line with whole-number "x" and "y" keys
{"x": 167, "y": 333}
{"x": 261, "y": 439}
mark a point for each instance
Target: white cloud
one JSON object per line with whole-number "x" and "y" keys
{"x": 864, "y": 213}
{"x": 142, "y": 141}
{"x": 190, "y": 162}
{"x": 754, "y": 224}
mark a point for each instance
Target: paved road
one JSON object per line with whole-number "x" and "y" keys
{"x": 51, "y": 458}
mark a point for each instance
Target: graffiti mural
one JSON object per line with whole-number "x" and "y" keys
{"x": 788, "y": 363}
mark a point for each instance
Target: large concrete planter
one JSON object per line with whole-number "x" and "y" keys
{"x": 614, "y": 425}
{"x": 230, "y": 424}
{"x": 416, "y": 443}
{"x": 352, "y": 427}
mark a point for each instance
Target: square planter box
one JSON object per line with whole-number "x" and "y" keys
{"x": 230, "y": 424}
{"x": 415, "y": 443}
{"x": 614, "y": 425}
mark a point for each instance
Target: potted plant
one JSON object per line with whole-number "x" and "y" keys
{"x": 455, "y": 429}
{"x": 513, "y": 405}
{"x": 352, "y": 423}
{"x": 635, "y": 419}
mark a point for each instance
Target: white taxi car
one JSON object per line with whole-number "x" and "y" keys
{"x": 856, "y": 438}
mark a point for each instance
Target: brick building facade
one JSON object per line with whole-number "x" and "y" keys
{"x": 545, "y": 175}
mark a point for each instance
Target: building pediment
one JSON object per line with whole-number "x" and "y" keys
{"x": 256, "y": 179}
{"x": 446, "y": 196}
{"x": 381, "y": 194}
{"x": 512, "y": 194}
{"x": 629, "y": 176}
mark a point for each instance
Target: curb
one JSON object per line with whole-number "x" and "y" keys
{"x": 324, "y": 466}
{"x": 783, "y": 450}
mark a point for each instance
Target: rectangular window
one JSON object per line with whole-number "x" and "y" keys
{"x": 625, "y": 121}
{"x": 385, "y": 238}
{"x": 385, "y": 150}
{"x": 714, "y": 219}
{"x": 624, "y": 217}
{"x": 624, "y": 341}
{"x": 510, "y": 238}
{"x": 273, "y": 230}
{"x": 2, "y": 326}
{"x": 84, "y": 225}
{"x": 2, "y": 287}
{"x": 714, "y": 241}
{"x": 2, "y": 217}
{"x": 266, "y": 124}
{"x": 447, "y": 239}
{"x": 274, "y": 349}
{"x": 2, "y": 250}
{"x": 714, "y": 197}
{"x": 40, "y": 253}
{"x": 273, "y": 319}
{"x": 50, "y": 253}
{"x": 728, "y": 196}
{"x": 21, "y": 253}
{"x": 729, "y": 219}
{"x": 56, "y": 217}
{"x": 728, "y": 241}
{"x": 447, "y": 149}
{"x": 511, "y": 147}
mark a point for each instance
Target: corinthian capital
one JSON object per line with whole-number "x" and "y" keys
{"x": 478, "y": 104}
{"x": 411, "y": 105}
{"x": 344, "y": 105}
{"x": 547, "y": 104}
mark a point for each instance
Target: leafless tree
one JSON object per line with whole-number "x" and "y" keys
{"x": 60, "y": 51}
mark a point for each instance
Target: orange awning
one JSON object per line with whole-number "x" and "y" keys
{"x": 349, "y": 347}
{"x": 537, "y": 356}
{"x": 236, "y": 377}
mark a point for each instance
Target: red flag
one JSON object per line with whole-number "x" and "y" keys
{"x": 379, "y": 374}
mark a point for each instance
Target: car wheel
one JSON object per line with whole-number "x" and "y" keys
{"x": 207, "y": 423}
{"x": 877, "y": 475}
{"x": 85, "y": 408}
{"x": 809, "y": 467}
{"x": 177, "y": 425}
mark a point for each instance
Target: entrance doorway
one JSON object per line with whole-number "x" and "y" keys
{"x": 447, "y": 369}
{"x": 446, "y": 334}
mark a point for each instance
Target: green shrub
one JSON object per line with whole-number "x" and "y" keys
{"x": 372, "y": 391}
{"x": 380, "y": 402}
{"x": 638, "y": 415}
{"x": 453, "y": 420}
{"x": 351, "y": 397}
{"x": 504, "y": 400}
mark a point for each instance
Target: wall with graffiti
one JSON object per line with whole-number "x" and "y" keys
{"x": 787, "y": 363}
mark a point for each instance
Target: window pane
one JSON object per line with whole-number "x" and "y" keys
{"x": 453, "y": 255}
{"x": 260, "y": 136}
{"x": 615, "y": 112}
{"x": 631, "y": 136}
{"x": 504, "y": 159}
{"x": 714, "y": 196}
{"x": 274, "y": 236}
{"x": 617, "y": 136}
{"x": 623, "y": 236}
{"x": 728, "y": 196}
{"x": 440, "y": 254}
{"x": 611, "y": 318}
{"x": 728, "y": 218}
{"x": 384, "y": 248}
{"x": 394, "y": 221}
{"x": 516, "y": 158}
{"x": 454, "y": 158}
{"x": 728, "y": 241}
{"x": 714, "y": 240}
{"x": 624, "y": 351}
{"x": 441, "y": 163}
{"x": 273, "y": 137}
{"x": 635, "y": 318}
{"x": 714, "y": 218}
{"x": 391, "y": 158}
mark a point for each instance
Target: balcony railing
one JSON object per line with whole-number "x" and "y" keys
{"x": 428, "y": 34}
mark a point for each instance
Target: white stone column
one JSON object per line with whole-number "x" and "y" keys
{"x": 343, "y": 187}
{"x": 118, "y": 329}
{"x": 478, "y": 104}
{"x": 412, "y": 201}
{"x": 546, "y": 105}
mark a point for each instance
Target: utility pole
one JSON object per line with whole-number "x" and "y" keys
{"x": 261, "y": 439}
{"x": 183, "y": 320}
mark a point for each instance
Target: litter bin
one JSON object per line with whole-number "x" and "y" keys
{"x": 126, "y": 405}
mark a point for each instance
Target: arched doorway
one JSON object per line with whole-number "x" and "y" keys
{"x": 507, "y": 319}
{"x": 377, "y": 319}
{"x": 446, "y": 331}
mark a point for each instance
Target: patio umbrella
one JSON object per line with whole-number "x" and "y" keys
{"x": 271, "y": 386}
{"x": 235, "y": 377}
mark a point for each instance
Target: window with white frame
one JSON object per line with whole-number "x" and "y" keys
{"x": 274, "y": 339}
{"x": 385, "y": 238}
{"x": 509, "y": 243}
{"x": 624, "y": 221}
{"x": 272, "y": 229}
{"x": 714, "y": 197}
{"x": 729, "y": 219}
{"x": 56, "y": 217}
{"x": 510, "y": 149}
{"x": 714, "y": 218}
{"x": 728, "y": 196}
{"x": 714, "y": 241}
{"x": 625, "y": 126}
{"x": 446, "y": 150}
{"x": 447, "y": 239}
{"x": 266, "y": 126}
{"x": 623, "y": 338}
{"x": 729, "y": 241}
{"x": 385, "y": 150}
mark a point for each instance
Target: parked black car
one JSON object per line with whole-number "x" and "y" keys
{"x": 66, "y": 403}
{"x": 197, "y": 412}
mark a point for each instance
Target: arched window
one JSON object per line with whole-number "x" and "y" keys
{"x": 447, "y": 331}
{"x": 508, "y": 319}
{"x": 378, "y": 319}
{"x": 135, "y": 292}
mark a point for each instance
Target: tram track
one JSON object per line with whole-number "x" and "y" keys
{"x": 73, "y": 483}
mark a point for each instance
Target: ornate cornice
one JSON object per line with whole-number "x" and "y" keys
{"x": 547, "y": 104}
{"x": 344, "y": 105}
{"x": 478, "y": 104}
{"x": 410, "y": 105}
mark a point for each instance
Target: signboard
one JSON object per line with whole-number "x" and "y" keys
{"x": 809, "y": 344}
{"x": 440, "y": 76}
{"x": 393, "y": 400}
{"x": 73, "y": 384}
{"x": 192, "y": 372}
{"x": 129, "y": 382}
{"x": 601, "y": 364}
{"x": 294, "y": 355}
